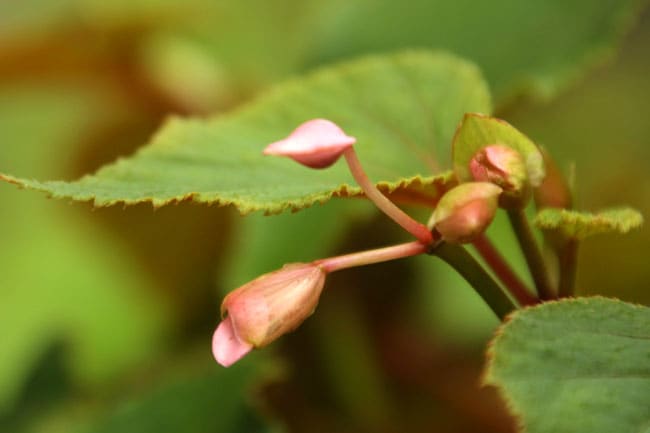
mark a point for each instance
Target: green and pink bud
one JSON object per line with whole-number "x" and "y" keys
{"x": 264, "y": 309}
{"x": 506, "y": 168}
{"x": 465, "y": 211}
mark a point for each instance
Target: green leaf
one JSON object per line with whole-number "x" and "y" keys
{"x": 579, "y": 225}
{"x": 477, "y": 131}
{"x": 575, "y": 366}
{"x": 402, "y": 108}
{"x": 522, "y": 47}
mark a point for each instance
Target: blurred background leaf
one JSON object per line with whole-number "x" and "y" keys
{"x": 62, "y": 279}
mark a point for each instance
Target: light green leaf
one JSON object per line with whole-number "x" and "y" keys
{"x": 61, "y": 278}
{"x": 575, "y": 366}
{"x": 402, "y": 108}
{"x": 477, "y": 131}
{"x": 579, "y": 225}
{"x": 523, "y": 47}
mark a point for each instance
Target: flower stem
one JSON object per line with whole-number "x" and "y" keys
{"x": 472, "y": 271}
{"x": 417, "y": 229}
{"x": 503, "y": 271}
{"x": 532, "y": 253}
{"x": 337, "y": 263}
{"x": 568, "y": 260}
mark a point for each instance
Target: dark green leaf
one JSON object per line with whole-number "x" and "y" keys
{"x": 575, "y": 366}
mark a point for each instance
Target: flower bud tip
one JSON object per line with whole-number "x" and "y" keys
{"x": 317, "y": 143}
{"x": 227, "y": 348}
{"x": 505, "y": 167}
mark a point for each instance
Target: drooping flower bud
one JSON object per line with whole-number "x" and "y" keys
{"x": 465, "y": 211}
{"x": 317, "y": 143}
{"x": 506, "y": 168}
{"x": 262, "y": 310}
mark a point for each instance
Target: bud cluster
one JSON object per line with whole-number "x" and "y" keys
{"x": 257, "y": 313}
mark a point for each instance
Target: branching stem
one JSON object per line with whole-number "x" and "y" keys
{"x": 361, "y": 258}
{"x": 532, "y": 253}
{"x": 472, "y": 271}
{"x": 417, "y": 229}
{"x": 503, "y": 271}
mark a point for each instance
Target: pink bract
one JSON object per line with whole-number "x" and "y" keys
{"x": 317, "y": 143}
{"x": 227, "y": 348}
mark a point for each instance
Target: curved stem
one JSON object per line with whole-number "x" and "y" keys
{"x": 568, "y": 260}
{"x": 532, "y": 253}
{"x": 345, "y": 261}
{"x": 412, "y": 226}
{"x": 472, "y": 271}
{"x": 503, "y": 271}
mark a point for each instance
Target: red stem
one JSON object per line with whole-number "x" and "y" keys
{"x": 417, "y": 229}
{"x": 503, "y": 271}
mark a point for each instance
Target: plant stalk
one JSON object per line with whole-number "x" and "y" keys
{"x": 532, "y": 253}
{"x": 503, "y": 271}
{"x": 362, "y": 258}
{"x": 417, "y": 229}
{"x": 472, "y": 271}
{"x": 568, "y": 261}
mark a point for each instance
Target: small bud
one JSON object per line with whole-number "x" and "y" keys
{"x": 262, "y": 310}
{"x": 317, "y": 143}
{"x": 506, "y": 168}
{"x": 465, "y": 211}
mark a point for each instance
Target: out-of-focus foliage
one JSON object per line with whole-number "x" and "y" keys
{"x": 62, "y": 279}
{"x": 83, "y": 82}
{"x": 521, "y": 47}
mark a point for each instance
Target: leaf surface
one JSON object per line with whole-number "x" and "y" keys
{"x": 580, "y": 225}
{"x": 575, "y": 366}
{"x": 402, "y": 108}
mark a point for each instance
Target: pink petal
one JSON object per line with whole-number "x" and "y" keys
{"x": 317, "y": 143}
{"x": 227, "y": 348}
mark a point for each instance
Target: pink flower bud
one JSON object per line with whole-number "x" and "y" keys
{"x": 262, "y": 310}
{"x": 317, "y": 143}
{"x": 505, "y": 167}
{"x": 465, "y": 211}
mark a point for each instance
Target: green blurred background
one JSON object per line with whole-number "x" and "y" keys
{"x": 106, "y": 315}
